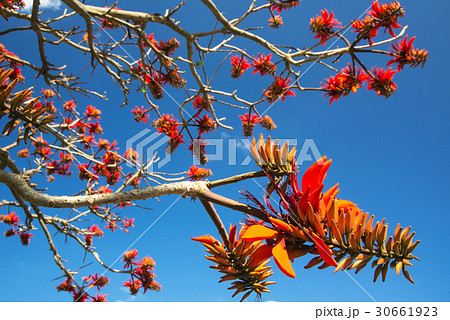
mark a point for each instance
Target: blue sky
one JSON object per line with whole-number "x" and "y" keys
{"x": 389, "y": 156}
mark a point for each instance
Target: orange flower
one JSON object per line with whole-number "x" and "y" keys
{"x": 140, "y": 114}
{"x": 205, "y": 124}
{"x": 197, "y": 173}
{"x": 275, "y": 21}
{"x": 278, "y": 89}
{"x": 285, "y": 5}
{"x": 263, "y": 65}
{"x": 323, "y": 25}
{"x": 238, "y": 66}
{"x": 248, "y": 123}
{"x": 92, "y": 112}
{"x": 381, "y": 82}
{"x": 405, "y": 54}
{"x": 346, "y": 81}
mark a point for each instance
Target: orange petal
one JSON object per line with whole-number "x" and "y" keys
{"x": 206, "y": 239}
{"x": 261, "y": 254}
{"x": 323, "y": 171}
{"x": 315, "y": 197}
{"x": 281, "y": 258}
{"x": 304, "y": 199}
{"x": 344, "y": 204}
{"x": 281, "y": 224}
{"x": 258, "y": 232}
{"x": 324, "y": 251}
{"x": 327, "y": 196}
{"x": 232, "y": 235}
{"x": 311, "y": 175}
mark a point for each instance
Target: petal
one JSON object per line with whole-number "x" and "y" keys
{"x": 261, "y": 254}
{"x": 258, "y": 232}
{"x": 324, "y": 251}
{"x": 311, "y": 175}
{"x": 281, "y": 258}
{"x": 206, "y": 239}
{"x": 232, "y": 236}
{"x": 280, "y": 224}
{"x": 327, "y": 196}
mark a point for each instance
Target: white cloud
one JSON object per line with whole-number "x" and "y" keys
{"x": 45, "y": 4}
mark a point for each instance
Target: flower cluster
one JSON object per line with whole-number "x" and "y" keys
{"x": 12, "y": 219}
{"x": 346, "y": 81}
{"x": 140, "y": 114}
{"x": 322, "y": 26}
{"x": 263, "y": 65}
{"x": 110, "y": 23}
{"x": 284, "y": 5}
{"x": 243, "y": 262}
{"x": 141, "y": 272}
{"x": 197, "y": 173}
{"x": 279, "y": 89}
{"x": 405, "y": 54}
{"x": 317, "y": 222}
{"x": 381, "y": 16}
{"x": 79, "y": 293}
{"x": 168, "y": 125}
{"x": 238, "y": 66}
{"x": 249, "y": 122}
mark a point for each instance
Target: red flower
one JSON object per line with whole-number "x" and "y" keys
{"x": 10, "y": 219}
{"x": 104, "y": 144}
{"x": 278, "y": 89}
{"x": 85, "y": 174}
{"x": 267, "y": 123}
{"x": 128, "y": 258}
{"x": 99, "y": 298}
{"x": 140, "y": 114}
{"x": 133, "y": 285}
{"x": 197, "y": 173}
{"x": 173, "y": 78}
{"x": 79, "y": 296}
{"x": 263, "y": 65}
{"x": 96, "y": 281}
{"x": 285, "y": 5}
{"x": 110, "y": 24}
{"x": 147, "y": 263}
{"x": 24, "y": 153}
{"x": 275, "y": 21}
{"x": 386, "y": 15}
{"x": 238, "y": 66}
{"x": 248, "y": 123}
{"x": 346, "y": 81}
{"x": 25, "y": 238}
{"x": 366, "y": 28}
{"x": 95, "y": 128}
{"x": 48, "y": 93}
{"x": 205, "y": 124}
{"x": 42, "y": 148}
{"x": 154, "y": 83}
{"x": 131, "y": 154}
{"x": 88, "y": 240}
{"x": 127, "y": 223}
{"x": 66, "y": 286}
{"x": 405, "y": 54}
{"x": 95, "y": 230}
{"x": 92, "y": 112}
{"x": 168, "y": 125}
{"x": 9, "y": 233}
{"x": 323, "y": 25}
{"x": 382, "y": 81}
{"x": 169, "y": 46}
